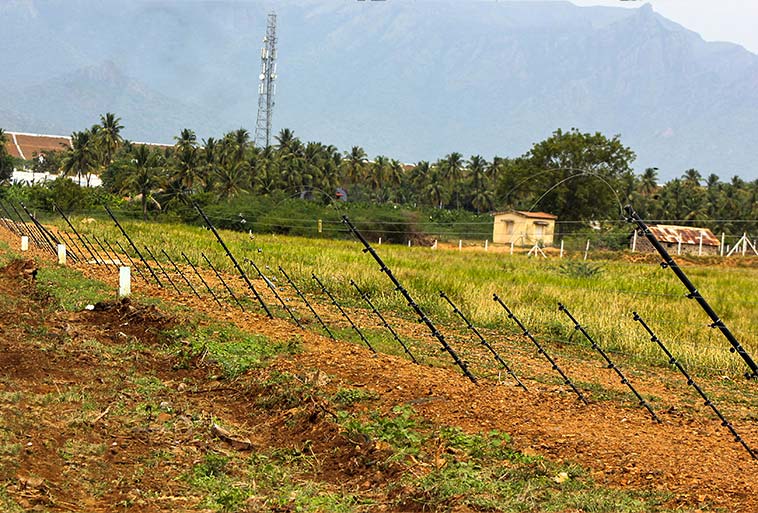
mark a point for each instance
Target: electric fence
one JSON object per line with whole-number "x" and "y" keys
{"x": 272, "y": 288}
{"x": 691, "y": 382}
{"x": 344, "y": 314}
{"x": 134, "y": 247}
{"x": 223, "y": 282}
{"x": 540, "y": 350}
{"x": 376, "y": 311}
{"x": 179, "y": 271}
{"x": 307, "y": 303}
{"x": 422, "y": 316}
{"x": 483, "y": 341}
{"x": 610, "y": 363}
{"x": 171, "y": 282}
{"x": 234, "y": 260}
{"x": 200, "y": 276}
{"x": 693, "y": 292}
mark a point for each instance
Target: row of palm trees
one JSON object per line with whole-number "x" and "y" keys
{"x": 160, "y": 176}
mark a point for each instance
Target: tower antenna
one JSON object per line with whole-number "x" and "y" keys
{"x": 266, "y": 87}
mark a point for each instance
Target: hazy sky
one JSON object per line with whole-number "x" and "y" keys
{"x": 716, "y": 20}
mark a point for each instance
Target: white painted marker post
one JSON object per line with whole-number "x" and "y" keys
{"x": 409, "y": 243}
{"x": 124, "y": 281}
{"x": 634, "y": 241}
{"x": 561, "y": 249}
{"x": 24, "y": 243}
{"x": 722, "y": 243}
{"x": 434, "y": 246}
{"x": 62, "y": 254}
{"x": 587, "y": 249}
{"x": 460, "y": 245}
{"x": 511, "y": 248}
{"x": 486, "y": 244}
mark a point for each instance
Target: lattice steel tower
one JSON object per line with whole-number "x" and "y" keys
{"x": 266, "y": 88}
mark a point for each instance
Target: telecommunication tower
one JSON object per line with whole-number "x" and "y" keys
{"x": 266, "y": 87}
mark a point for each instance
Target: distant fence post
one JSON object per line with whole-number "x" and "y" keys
{"x": 124, "y": 281}
{"x": 409, "y": 243}
{"x": 24, "y": 243}
{"x": 561, "y": 255}
{"x": 434, "y": 246}
{"x": 722, "y": 244}
{"x": 320, "y": 226}
{"x": 380, "y": 241}
{"x": 700, "y": 245}
{"x": 460, "y": 245}
{"x": 486, "y": 244}
{"x": 587, "y": 249}
{"x": 511, "y": 247}
{"x": 634, "y": 241}
{"x": 62, "y": 254}
{"x": 679, "y": 246}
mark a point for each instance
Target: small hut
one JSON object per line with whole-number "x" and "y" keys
{"x": 523, "y": 228}
{"x": 678, "y": 240}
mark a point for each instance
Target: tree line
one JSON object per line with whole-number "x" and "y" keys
{"x": 574, "y": 175}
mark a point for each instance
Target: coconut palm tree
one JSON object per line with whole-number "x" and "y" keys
{"x": 81, "y": 158}
{"x": 109, "y": 135}
{"x": 145, "y": 177}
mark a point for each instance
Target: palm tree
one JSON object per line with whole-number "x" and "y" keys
{"x": 354, "y": 164}
{"x": 452, "y": 171}
{"x": 481, "y": 197}
{"x": 81, "y": 158}
{"x": 109, "y": 135}
{"x": 146, "y": 176}
{"x": 230, "y": 179}
{"x": 186, "y": 140}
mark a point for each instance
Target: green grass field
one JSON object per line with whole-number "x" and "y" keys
{"x": 601, "y": 294}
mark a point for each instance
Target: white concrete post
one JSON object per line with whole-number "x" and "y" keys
{"x": 486, "y": 244}
{"x": 434, "y": 246}
{"x": 561, "y": 256}
{"x": 460, "y": 245}
{"x": 380, "y": 241}
{"x": 320, "y": 226}
{"x": 62, "y": 254}
{"x": 700, "y": 246}
{"x": 722, "y": 244}
{"x": 587, "y": 249}
{"x": 511, "y": 247}
{"x": 24, "y": 243}
{"x": 409, "y": 243}
{"x": 124, "y": 281}
{"x": 634, "y": 241}
{"x": 679, "y": 247}
{"x": 744, "y": 243}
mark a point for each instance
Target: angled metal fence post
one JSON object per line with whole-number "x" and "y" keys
{"x": 416, "y": 308}
{"x": 691, "y": 382}
{"x": 163, "y": 270}
{"x": 134, "y": 265}
{"x": 483, "y": 341}
{"x": 307, "y": 303}
{"x": 367, "y": 299}
{"x": 200, "y": 276}
{"x": 68, "y": 222}
{"x": 610, "y": 363}
{"x": 272, "y": 288}
{"x": 234, "y": 260}
{"x": 344, "y": 314}
{"x": 179, "y": 271}
{"x": 221, "y": 279}
{"x": 540, "y": 349}
{"x": 134, "y": 247}
{"x": 669, "y": 262}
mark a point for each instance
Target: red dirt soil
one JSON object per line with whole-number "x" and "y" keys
{"x": 689, "y": 454}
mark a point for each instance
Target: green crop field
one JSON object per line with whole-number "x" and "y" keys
{"x": 601, "y": 294}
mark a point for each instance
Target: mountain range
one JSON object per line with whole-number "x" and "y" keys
{"x": 413, "y": 80}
